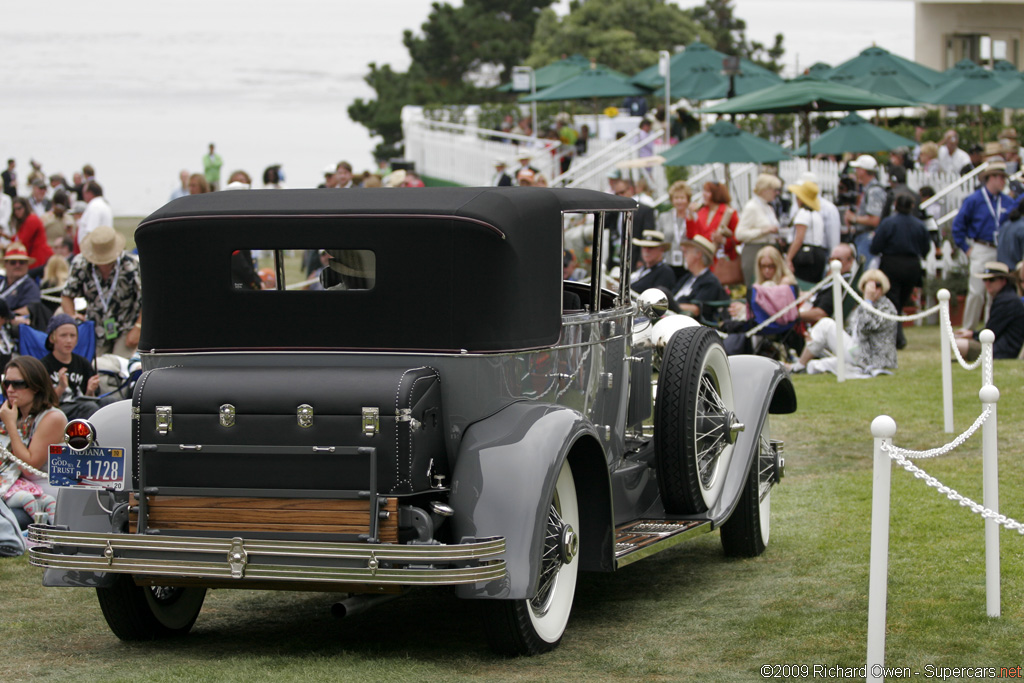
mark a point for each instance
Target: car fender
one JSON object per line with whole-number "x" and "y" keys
{"x": 766, "y": 388}
{"x": 82, "y": 509}
{"x": 503, "y": 481}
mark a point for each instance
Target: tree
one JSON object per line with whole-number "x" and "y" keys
{"x": 625, "y": 35}
{"x": 459, "y": 50}
{"x": 729, "y": 34}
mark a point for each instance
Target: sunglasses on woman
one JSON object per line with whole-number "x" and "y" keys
{"x": 16, "y": 383}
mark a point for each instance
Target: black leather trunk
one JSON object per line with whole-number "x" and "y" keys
{"x": 240, "y": 428}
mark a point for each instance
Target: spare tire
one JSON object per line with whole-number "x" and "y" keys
{"x": 693, "y": 418}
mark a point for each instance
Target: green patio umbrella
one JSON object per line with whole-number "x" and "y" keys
{"x": 1004, "y": 70}
{"x": 962, "y": 68}
{"x": 724, "y": 143}
{"x": 696, "y": 74}
{"x": 699, "y": 78}
{"x": 695, "y": 54}
{"x": 590, "y": 84}
{"x": 1009, "y": 95}
{"x": 709, "y": 83}
{"x": 820, "y": 70}
{"x": 804, "y": 95}
{"x": 888, "y": 81}
{"x": 562, "y": 70}
{"x": 967, "y": 89}
{"x": 877, "y": 60}
{"x": 855, "y": 134}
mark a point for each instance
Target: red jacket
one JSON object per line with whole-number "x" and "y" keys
{"x": 33, "y": 235}
{"x": 707, "y": 226}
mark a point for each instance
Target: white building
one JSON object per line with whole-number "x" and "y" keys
{"x": 946, "y": 31}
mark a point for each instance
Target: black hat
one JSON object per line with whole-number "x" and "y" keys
{"x": 55, "y": 322}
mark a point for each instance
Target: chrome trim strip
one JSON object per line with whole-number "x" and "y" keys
{"x": 239, "y": 558}
{"x": 482, "y": 549}
{"x": 45, "y": 557}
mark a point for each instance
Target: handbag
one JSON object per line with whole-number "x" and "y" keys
{"x": 728, "y": 271}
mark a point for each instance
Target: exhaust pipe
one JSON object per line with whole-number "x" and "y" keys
{"x": 357, "y": 604}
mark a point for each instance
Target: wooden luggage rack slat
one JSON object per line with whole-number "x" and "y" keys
{"x": 241, "y": 515}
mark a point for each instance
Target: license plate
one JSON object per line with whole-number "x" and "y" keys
{"x": 98, "y": 467}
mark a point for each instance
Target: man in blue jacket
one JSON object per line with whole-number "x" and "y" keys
{"x": 974, "y": 232}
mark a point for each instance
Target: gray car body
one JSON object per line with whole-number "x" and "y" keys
{"x": 511, "y": 420}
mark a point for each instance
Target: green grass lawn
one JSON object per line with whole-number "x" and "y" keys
{"x": 687, "y": 614}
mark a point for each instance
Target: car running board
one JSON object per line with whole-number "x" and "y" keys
{"x": 643, "y": 537}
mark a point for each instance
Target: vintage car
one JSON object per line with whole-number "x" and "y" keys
{"x": 438, "y": 408}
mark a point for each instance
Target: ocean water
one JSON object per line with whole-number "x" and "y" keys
{"x": 138, "y": 89}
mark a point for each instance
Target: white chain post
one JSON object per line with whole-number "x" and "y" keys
{"x": 837, "y": 312}
{"x": 946, "y": 359}
{"x": 987, "y": 338}
{"x": 989, "y": 396}
{"x": 883, "y": 428}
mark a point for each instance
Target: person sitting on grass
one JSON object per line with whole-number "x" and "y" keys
{"x": 1005, "y": 319}
{"x": 869, "y": 348}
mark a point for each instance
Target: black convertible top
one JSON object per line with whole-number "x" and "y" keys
{"x": 477, "y": 269}
{"x": 498, "y": 206}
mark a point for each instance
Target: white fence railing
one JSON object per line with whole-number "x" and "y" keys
{"x": 465, "y": 155}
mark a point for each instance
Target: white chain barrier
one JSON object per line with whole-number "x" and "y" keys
{"x": 901, "y": 459}
{"x": 947, "y": 327}
{"x": 903, "y": 456}
{"x": 883, "y": 428}
{"x": 941, "y": 450}
{"x": 25, "y": 467}
{"x": 948, "y": 343}
{"x": 888, "y": 316}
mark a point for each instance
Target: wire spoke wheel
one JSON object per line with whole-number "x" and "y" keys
{"x": 536, "y": 625}
{"x": 711, "y": 429}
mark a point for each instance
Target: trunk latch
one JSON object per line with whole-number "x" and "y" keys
{"x": 304, "y": 413}
{"x": 227, "y": 415}
{"x": 371, "y": 421}
{"x": 163, "y": 420}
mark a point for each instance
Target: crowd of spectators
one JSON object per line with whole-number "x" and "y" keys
{"x": 882, "y": 230}
{"x": 61, "y": 254}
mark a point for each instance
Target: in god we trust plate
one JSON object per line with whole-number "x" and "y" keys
{"x": 97, "y": 467}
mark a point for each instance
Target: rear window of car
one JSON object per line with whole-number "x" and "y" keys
{"x": 328, "y": 270}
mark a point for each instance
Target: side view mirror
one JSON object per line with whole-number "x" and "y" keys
{"x": 653, "y": 303}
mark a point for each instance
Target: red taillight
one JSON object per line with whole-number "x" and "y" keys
{"x": 79, "y": 435}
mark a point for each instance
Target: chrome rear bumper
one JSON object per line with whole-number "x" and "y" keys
{"x": 182, "y": 556}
